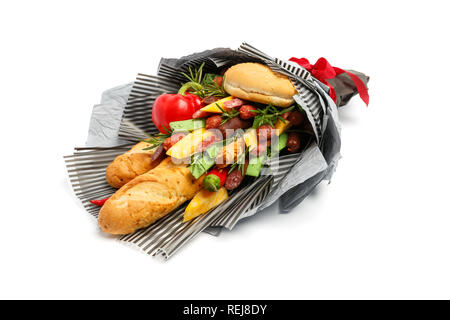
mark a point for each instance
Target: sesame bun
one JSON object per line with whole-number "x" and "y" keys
{"x": 258, "y": 83}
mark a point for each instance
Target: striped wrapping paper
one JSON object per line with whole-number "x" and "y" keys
{"x": 86, "y": 166}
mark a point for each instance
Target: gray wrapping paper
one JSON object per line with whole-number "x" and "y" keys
{"x": 106, "y": 117}
{"x": 344, "y": 87}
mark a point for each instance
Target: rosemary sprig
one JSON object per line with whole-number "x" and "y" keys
{"x": 212, "y": 88}
{"x": 202, "y": 85}
{"x": 269, "y": 115}
{"x": 157, "y": 139}
{"x": 195, "y": 75}
{"x": 227, "y": 114}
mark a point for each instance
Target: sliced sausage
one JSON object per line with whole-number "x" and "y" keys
{"x": 159, "y": 153}
{"x": 295, "y": 118}
{"x": 234, "y": 124}
{"x": 213, "y": 122}
{"x": 307, "y": 127}
{"x": 265, "y": 132}
{"x": 206, "y": 143}
{"x": 200, "y": 114}
{"x": 293, "y": 142}
{"x": 285, "y": 115}
{"x": 209, "y": 100}
{"x": 170, "y": 141}
{"x": 246, "y": 111}
{"x": 234, "y": 179}
{"x": 261, "y": 148}
{"x": 233, "y": 103}
{"x": 231, "y": 152}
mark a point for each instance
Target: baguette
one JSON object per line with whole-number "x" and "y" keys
{"x": 148, "y": 198}
{"x": 129, "y": 165}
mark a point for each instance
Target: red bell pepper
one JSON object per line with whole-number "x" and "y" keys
{"x": 174, "y": 107}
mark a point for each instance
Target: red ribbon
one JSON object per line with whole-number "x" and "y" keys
{"x": 322, "y": 70}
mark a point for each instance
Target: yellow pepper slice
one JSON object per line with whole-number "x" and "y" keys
{"x": 251, "y": 138}
{"x": 214, "y": 107}
{"x": 281, "y": 127}
{"x": 187, "y": 146}
{"x": 204, "y": 201}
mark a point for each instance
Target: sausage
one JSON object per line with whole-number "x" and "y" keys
{"x": 296, "y": 118}
{"x": 307, "y": 127}
{"x": 233, "y": 103}
{"x": 159, "y": 153}
{"x": 246, "y": 112}
{"x": 265, "y": 132}
{"x": 200, "y": 114}
{"x": 213, "y": 122}
{"x": 206, "y": 142}
{"x": 261, "y": 148}
{"x": 285, "y": 115}
{"x": 209, "y": 100}
{"x": 235, "y": 177}
{"x": 230, "y": 153}
{"x": 234, "y": 124}
{"x": 293, "y": 142}
{"x": 170, "y": 141}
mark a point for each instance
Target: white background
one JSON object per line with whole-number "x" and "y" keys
{"x": 379, "y": 230}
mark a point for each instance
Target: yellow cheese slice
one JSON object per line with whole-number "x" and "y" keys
{"x": 204, "y": 201}
{"x": 187, "y": 146}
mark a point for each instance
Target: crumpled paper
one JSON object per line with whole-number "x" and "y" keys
{"x": 106, "y": 117}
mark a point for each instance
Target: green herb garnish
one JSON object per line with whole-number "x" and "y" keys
{"x": 227, "y": 114}
{"x": 157, "y": 139}
{"x": 202, "y": 85}
{"x": 212, "y": 88}
{"x": 269, "y": 115}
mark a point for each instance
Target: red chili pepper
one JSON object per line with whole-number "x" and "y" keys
{"x": 215, "y": 179}
{"x": 99, "y": 202}
{"x": 221, "y": 173}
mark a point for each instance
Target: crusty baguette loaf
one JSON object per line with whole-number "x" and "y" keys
{"x": 257, "y": 82}
{"x": 148, "y": 198}
{"x": 129, "y": 165}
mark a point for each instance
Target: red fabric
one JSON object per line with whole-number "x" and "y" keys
{"x": 322, "y": 70}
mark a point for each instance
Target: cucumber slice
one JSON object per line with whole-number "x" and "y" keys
{"x": 255, "y": 165}
{"x": 205, "y": 161}
{"x": 282, "y": 142}
{"x": 188, "y": 125}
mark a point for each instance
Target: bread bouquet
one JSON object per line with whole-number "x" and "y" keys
{"x": 216, "y": 130}
{"x": 219, "y": 136}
